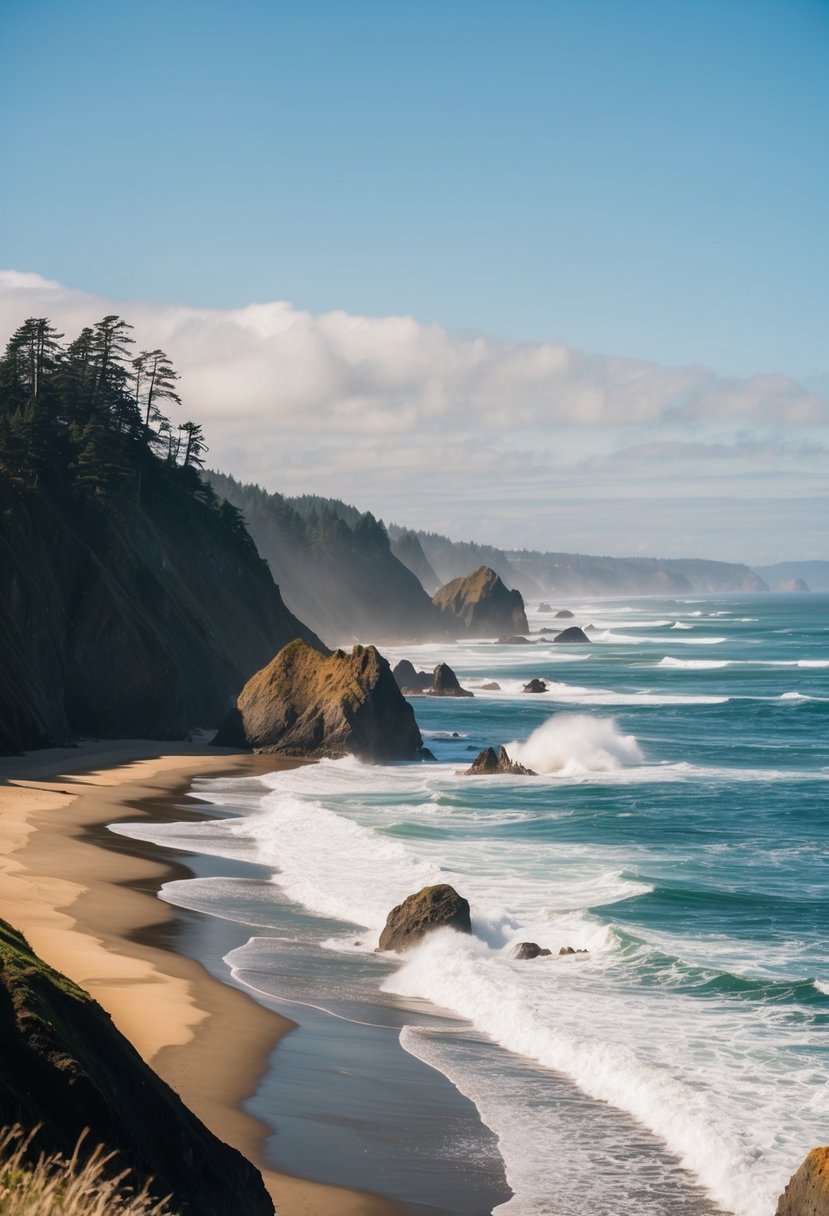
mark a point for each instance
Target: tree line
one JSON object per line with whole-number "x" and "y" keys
{"x": 89, "y": 415}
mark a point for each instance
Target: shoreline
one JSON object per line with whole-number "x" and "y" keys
{"x": 102, "y": 928}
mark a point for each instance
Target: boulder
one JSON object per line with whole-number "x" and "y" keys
{"x": 525, "y": 950}
{"x": 409, "y": 679}
{"x": 445, "y": 683}
{"x": 535, "y": 685}
{"x": 573, "y": 634}
{"x": 491, "y": 686}
{"x": 308, "y": 704}
{"x": 489, "y": 763}
{"x": 564, "y": 614}
{"x": 570, "y": 950}
{"x": 515, "y": 640}
{"x": 432, "y": 908}
{"x": 807, "y": 1193}
{"x": 483, "y": 605}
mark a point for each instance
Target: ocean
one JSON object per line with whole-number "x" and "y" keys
{"x": 676, "y": 833}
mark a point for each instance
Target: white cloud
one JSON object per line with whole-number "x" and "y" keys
{"x": 385, "y": 410}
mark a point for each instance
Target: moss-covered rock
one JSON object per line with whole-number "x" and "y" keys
{"x": 64, "y": 1065}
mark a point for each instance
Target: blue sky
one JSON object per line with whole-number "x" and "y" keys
{"x": 643, "y": 179}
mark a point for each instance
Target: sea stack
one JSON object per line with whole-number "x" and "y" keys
{"x": 308, "y": 704}
{"x": 431, "y": 908}
{"x": 482, "y": 605}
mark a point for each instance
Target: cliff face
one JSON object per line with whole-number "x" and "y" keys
{"x": 335, "y": 567}
{"x": 307, "y": 704}
{"x": 481, "y": 605}
{"x": 65, "y": 1065}
{"x": 120, "y": 620}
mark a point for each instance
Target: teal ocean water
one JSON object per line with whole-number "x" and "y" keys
{"x": 676, "y": 832}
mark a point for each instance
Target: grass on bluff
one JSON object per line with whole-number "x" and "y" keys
{"x": 54, "y": 1185}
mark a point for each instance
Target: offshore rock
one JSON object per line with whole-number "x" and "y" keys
{"x": 526, "y": 950}
{"x": 308, "y": 704}
{"x": 445, "y": 683}
{"x": 409, "y": 679}
{"x": 535, "y": 685}
{"x": 66, "y": 1067}
{"x": 544, "y": 607}
{"x": 491, "y": 686}
{"x": 431, "y": 908}
{"x": 515, "y": 639}
{"x": 564, "y": 614}
{"x": 488, "y": 763}
{"x": 807, "y": 1193}
{"x": 573, "y": 634}
{"x": 483, "y": 605}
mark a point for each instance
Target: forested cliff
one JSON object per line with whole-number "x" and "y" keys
{"x": 133, "y": 601}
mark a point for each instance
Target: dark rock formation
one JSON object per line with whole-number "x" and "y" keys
{"x": 445, "y": 683}
{"x": 488, "y": 763}
{"x": 564, "y": 614}
{"x": 432, "y": 908}
{"x": 409, "y": 679}
{"x": 125, "y": 621}
{"x": 515, "y": 640}
{"x": 483, "y": 605}
{"x": 807, "y": 1193}
{"x": 573, "y": 634}
{"x": 307, "y": 704}
{"x": 526, "y": 950}
{"x": 535, "y": 685}
{"x": 571, "y": 950}
{"x": 544, "y": 607}
{"x": 66, "y": 1067}
{"x": 491, "y": 686}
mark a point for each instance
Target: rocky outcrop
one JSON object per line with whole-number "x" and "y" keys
{"x": 308, "y": 704}
{"x": 429, "y": 909}
{"x": 571, "y": 950}
{"x": 515, "y": 639}
{"x": 409, "y": 679}
{"x": 125, "y": 622}
{"x": 491, "y": 686}
{"x": 535, "y": 685}
{"x": 445, "y": 683}
{"x": 488, "y": 763}
{"x": 527, "y": 950}
{"x": 66, "y": 1067}
{"x": 807, "y": 1193}
{"x": 564, "y": 614}
{"x": 480, "y": 605}
{"x": 791, "y": 585}
{"x": 573, "y": 634}
{"x": 544, "y": 607}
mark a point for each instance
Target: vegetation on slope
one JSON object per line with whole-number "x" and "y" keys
{"x": 132, "y": 598}
{"x": 334, "y": 565}
{"x": 66, "y": 1067}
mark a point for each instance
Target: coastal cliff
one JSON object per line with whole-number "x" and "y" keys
{"x": 133, "y": 601}
{"x": 66, "y": 1067}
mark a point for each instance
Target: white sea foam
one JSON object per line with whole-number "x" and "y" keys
{"x": 822, "y": 986}
{"x": 681, "y": 625}
{"x": 693, "y": 664}
{"x": 577, "y": 743}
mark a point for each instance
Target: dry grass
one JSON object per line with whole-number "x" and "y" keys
{"x": 60, "y": 1186}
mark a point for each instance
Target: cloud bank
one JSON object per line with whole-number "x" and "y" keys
{"x": 467, "y": 433}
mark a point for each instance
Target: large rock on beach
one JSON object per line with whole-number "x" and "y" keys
{"x": 573, "y": 634}
{"x": 432, "y": 908}
{"x": 308, "y": 704}
{"x": 489, "y": 763}
{"x": 807, "y": 1193}
{"x": 445, "y": 683}
{"x": 483, "y": 605}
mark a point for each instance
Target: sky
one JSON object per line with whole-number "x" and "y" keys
{"x": 543, "y": 274}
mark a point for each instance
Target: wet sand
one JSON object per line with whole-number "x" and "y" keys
{"x": 91, "y": 912}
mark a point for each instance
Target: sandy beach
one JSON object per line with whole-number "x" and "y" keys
{"x": 86, "y": 910}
